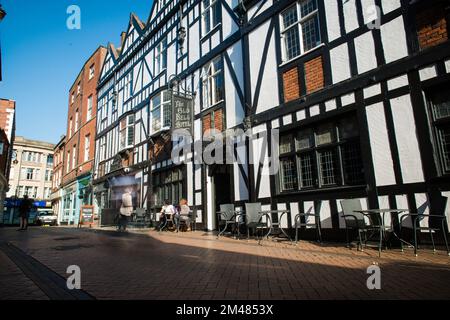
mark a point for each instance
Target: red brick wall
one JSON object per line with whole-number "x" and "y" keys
{"x": 85, "y": 126}
{"x": 214, "y": 120}
{"x": 431, "y": 26}
{"x": 206, "y": 123}
{"x": 218, "y": 120}
{"x": 314, "y": 75}
{"x": 291, "y": 85}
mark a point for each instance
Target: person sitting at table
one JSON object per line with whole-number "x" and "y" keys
{"x": 166, "y": 210}
{"x": 183, "y": 214}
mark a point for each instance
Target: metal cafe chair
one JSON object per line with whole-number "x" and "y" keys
{"x": 299, "y": 224}
{"x": 191, "y": 216}
{"x": 228, "y": 216}
{"x": 422, "y": 223}
{"x": 254, "y": 220}
{"x": 361, "y": 223}
{"x": 140, "y": 218}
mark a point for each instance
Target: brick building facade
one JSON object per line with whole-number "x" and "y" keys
{"x": 79, "y": 144}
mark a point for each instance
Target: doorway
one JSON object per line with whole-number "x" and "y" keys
{"x": 222, "y": 179}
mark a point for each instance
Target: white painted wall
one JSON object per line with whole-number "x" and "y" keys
{"x": 379, "y": 142}
{"x": 332, "y": 20}
{"x": 365, "y": 52}
{"x": 393, "y": 37}
{"x": 406, "y": 136}
{"x": 341, "y": 63}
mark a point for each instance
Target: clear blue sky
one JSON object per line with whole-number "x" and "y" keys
{"x": 41, "y": 58}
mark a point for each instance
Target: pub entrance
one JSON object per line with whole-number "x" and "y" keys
{"x": 222, "y": 177}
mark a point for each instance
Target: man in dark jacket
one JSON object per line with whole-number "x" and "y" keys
{"x": 24, "y": 213}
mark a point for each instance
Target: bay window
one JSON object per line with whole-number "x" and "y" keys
{"x": 213, "y": 83}
{"x": 161, "y": 111}
{"x": 327, "y": 155}
{"x": 127, "y": 132}
{"x": 210, "y": 15}
{"x": 300, "y": 29}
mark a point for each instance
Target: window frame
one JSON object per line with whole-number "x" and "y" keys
{"x": 438, "y": 124}
{"x": 90, "y": 106}
{"x": 337, "y": 145}
{"x": 210, "y": 10}
{"x": 298, "y": 24}
{"x": 125, "y": 131}
{"x": 161, "y": 56}
{"x": 209, "y": 90}
{"x": 92, "y": 71}
{"x": 165, "y": 110}
{"x": 87, "y": 147}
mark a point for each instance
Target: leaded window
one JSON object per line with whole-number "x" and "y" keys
{"x": 213, "y": 83}
{"x": 323, "y": 156}
{"x": 300, "y": 29}
{"x": 440, "y": 104}
{"x": 210, "y": 15}
{"x": 161, "y": 111}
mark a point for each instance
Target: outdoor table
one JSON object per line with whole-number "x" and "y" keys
{"x": 381, "y": 213}
{"x": 277, "y": 224}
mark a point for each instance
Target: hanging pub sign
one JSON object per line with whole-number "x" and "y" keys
{"x": 86, "y": 216}
{"x": 182, "y": 106}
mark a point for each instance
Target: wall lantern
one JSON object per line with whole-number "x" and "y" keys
{"x": 181, "y": 37}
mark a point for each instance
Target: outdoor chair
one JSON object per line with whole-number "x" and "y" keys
{"x": 188, "y": 214}
{"x": 193, "y": 219}
{"x": 170, "y": 223}
{"x": 362, "y": 223}
{"x": 423, "y": 223}
{"x": 140, "y": 217}
{"x": 254, "y": 220}
{"x": 228, "y": 216}
{"x": 300, "y": 224}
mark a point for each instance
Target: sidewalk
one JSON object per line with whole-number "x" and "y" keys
{"x": 145, "y": 264}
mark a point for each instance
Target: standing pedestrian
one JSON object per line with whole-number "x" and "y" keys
{"x": 24, "y": 213}
{"x": 126, "y": 210}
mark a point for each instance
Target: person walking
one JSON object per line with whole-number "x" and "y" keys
{"x": 24, "y": 213}
{"x": 126, "y": 210}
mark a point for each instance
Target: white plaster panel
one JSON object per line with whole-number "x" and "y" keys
{"x": 398, "y": 82}
{"x": 379, "y": 142}
{"x": 393, "y": 37}
{"x": 428, "y": 73}
{"x": 332, "y": 19}
{"x": 390, "y": 5}
{"x": 365, "y": 52}
{"x": 341, "y": 63}
{"x": 350, "y": 16}
{"x": 406, "y": 136}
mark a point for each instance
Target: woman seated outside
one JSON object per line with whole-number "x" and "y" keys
{"x": 167, "y": 210}
{"x": 183, "y": 214}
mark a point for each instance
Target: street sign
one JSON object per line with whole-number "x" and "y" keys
{"x": 86, "y": 216}
{"x": 182, "y": 112}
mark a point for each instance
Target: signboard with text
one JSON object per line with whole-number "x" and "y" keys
{"x": 86, "y": 216}
{"x": 182, "y": 112}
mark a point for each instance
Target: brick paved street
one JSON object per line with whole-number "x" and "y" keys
{"x": 197, "y": 266}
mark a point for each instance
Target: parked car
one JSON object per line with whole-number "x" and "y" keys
{"x": 46, "y": 218}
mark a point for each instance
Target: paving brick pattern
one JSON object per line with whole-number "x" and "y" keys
{"x": 195, "y": 266}
{"x": 14, "y": 285}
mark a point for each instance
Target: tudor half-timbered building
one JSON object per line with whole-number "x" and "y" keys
{"x": 357, "y": 90}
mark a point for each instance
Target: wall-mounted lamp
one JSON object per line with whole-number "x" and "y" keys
{"x": 181, "y": 37}
{"x": 114, "y": 98}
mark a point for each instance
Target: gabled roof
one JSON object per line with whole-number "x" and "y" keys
{"x": 134, "y": 25}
